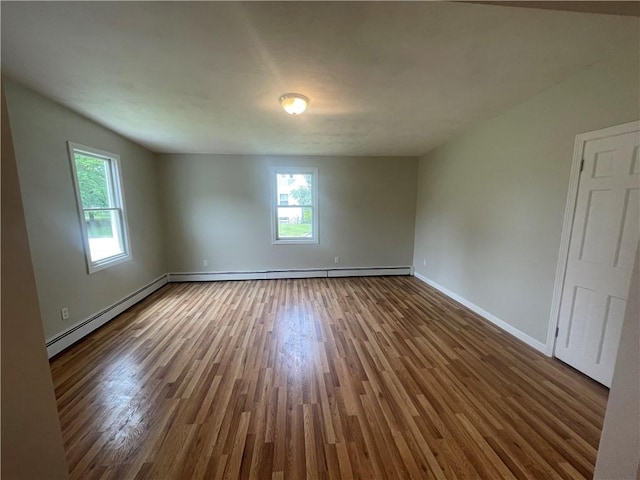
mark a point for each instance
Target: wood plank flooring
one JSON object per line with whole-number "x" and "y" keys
{"x": 319, "y": 378}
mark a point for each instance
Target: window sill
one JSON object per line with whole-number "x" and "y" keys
{"x": 292, "y": 241}
{"x": 93, "y": 267}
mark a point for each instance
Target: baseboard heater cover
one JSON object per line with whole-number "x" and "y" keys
{"x": 283, "y": 274}
{"x": 71, "y": 335}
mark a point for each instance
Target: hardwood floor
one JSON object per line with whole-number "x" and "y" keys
{"x": 319, "y": 378}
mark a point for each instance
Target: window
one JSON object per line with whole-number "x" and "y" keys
{"x": 96, "y": 176}
{"x": 295, "y": 205}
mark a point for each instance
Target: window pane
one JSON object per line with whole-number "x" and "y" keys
{"x": 93, "y": 181}
{"x": 105, "y": 233}
{"x": 294, "y": 189}
{"x": 295, "y": 222}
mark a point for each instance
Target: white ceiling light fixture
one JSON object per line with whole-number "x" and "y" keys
{"x": 294, "y": 103}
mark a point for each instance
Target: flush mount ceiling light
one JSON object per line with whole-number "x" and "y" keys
{"x": 294, "y": 103}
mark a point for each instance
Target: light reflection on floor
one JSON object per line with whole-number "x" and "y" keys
{"x": 296, "y": 346}
{"x": 124, "y": 395}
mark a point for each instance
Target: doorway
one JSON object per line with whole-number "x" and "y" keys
{"x": 599, "y": 241}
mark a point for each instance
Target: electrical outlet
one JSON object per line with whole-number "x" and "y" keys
{"x": 205, "y": 263}
{"x": 336, "y": 260}
{"x": 64, "y": 313}
{"x": 424, "y": 262}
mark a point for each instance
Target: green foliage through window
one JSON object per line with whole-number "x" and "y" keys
{"x": 302, "y": 195}
{"x": 92, "y": 179}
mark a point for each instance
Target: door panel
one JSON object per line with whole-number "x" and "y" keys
{"x": 635, "y": 165}
{"x": 610, "y": 332}
{"x": 629, "y": 227}
{"x": 595, "y": 227}
{"x": 604, "y": 237}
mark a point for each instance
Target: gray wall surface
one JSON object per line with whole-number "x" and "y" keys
{"x": 491, "y": 201}
{"x": 218, "y": 207}
{"x": 31, "y": 438}
{"x": 619, "y": 450}
{"x": 41, "y": 129}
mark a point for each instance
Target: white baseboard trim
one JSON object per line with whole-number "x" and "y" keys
{"x": 281, "y": 274}
{"x": 72, "y": 334}
{"x": 532, "y": 342}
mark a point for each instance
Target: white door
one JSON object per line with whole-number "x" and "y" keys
{"x": 604, "y": 238}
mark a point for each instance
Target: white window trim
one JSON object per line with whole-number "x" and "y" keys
{"x": 274, "y": 206}
{"x": 116, "y": 178}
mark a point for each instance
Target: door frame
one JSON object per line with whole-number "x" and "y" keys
{"x": 569, "y": 214}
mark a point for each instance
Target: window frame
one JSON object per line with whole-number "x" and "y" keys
{"x": 314, "y": 239}
{"x": 116, "y": 193}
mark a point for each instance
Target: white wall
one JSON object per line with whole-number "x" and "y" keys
{"x": 41, "y": 129}
{"x": 491, "y": 201}
{"x": 218, "y": 207}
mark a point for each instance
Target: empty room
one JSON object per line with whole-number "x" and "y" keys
{"x": 320, "y": 240}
